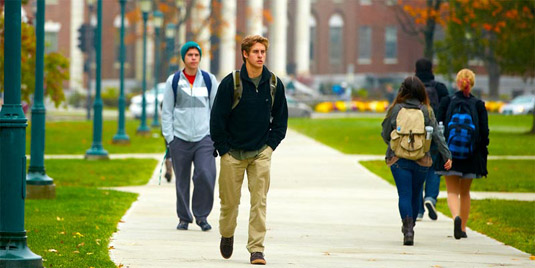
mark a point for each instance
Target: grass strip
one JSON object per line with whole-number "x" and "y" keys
{"x": 362, "y": 135}
{"x": 510, "y": 222}
{"x": 76, "y": 137}
{"x": 504, "y": 175}
{"x": 117, "y": 172}
{"x": 73, "y": 230}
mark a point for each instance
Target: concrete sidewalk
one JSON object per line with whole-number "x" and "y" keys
{"x": 324, "y": 210}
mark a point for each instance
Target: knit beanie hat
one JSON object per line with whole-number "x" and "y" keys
{"x": 187, "y": 46}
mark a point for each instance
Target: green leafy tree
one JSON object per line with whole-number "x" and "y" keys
{"x": 56, "y": 68}
{"x": 498, "y": 33}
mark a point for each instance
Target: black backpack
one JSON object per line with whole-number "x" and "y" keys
{"x": 462, "y": 128}
{"x": 432, "y": 94}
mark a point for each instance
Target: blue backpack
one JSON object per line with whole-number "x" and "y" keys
{"x": 205, "y": 76}
{"x": 462, "y": 129}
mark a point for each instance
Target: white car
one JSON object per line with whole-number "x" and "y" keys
{"x": 520, "y": 105}
{"x": 135, "y": 102}
{"x": 297, "y": 109}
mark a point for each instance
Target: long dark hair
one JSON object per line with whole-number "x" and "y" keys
{"x": 411, "y": 88}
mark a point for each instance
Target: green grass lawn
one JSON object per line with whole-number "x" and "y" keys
{"x": 510, "y": 222}
{"x": 504, "y": 175}
{"x": 116, "y": 172}
{"x": 74, "y": 229}
{"x": 363, "y": 135}
{"x": 76, "y": 137}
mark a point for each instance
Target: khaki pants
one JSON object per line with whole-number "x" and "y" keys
{"x": 230, "y": 181}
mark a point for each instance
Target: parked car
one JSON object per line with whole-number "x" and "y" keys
{"x": 520, "y": 105}
{"x": 135, "y": 102}
{"x": 297, "y": 109}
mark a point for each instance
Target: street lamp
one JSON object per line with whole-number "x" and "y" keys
{"x": 158, "y": 22}
{"x": 89, "y": 61}
{"x": 14, "y": 251}
{"x": 170, "y": 42}
{"x": 145, "y": 6}
{"x": 121, "y": 136}
{"x": 39, "y": 185}
{"x": 97, "y": 151}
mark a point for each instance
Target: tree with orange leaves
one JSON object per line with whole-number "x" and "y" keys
{"x": 421, "y": 17}
{"x": 498, "y": 33}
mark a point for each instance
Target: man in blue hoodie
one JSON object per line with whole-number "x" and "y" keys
{"x": 188, "y": 98}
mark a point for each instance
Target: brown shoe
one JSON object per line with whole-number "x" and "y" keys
{"x": 226, "y": 247}
{"x": 258, "y": 258}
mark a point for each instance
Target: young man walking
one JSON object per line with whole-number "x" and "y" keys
{"x": 436, "y": 91}
{"x": 248, "y": 121}
{"x": 188, "y": 97}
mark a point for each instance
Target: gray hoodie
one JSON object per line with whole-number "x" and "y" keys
{"x": 189, "y": 119}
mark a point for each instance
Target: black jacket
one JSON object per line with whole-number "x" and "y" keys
{"x": 478, "y": 162}
{"x": 248, "y": 126}
{"x": 442, "y": 90}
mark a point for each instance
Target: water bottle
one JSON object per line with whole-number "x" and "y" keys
{"x": 441, "y": 127}
{"x": 429, "y": 131}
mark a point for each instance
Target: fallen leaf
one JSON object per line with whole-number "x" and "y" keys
{"x": 59, "y": 219}
{"x": 79, "y": 234}
{"x": 97, "y": 241}
{"x": 532, "y": 258}
{"x": 81, "y": 245}
{"x": 62, "y": 233}
{"x": 326, "y": 253}
{"x": 76, "y": 252}
{"x": 436, "y": 266}
{"x": 89, "y": 253}
{"x": 111, "y": 247}
{"x": 52, "y": 250}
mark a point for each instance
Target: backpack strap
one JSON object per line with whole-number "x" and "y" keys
{"x": 238, "y": 90}
{"x": 273, "y": 88}
{"x": 174, "y": 84}
{"x": 207, "y": 81}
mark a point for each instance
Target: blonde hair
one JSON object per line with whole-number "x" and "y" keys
{"x": 250, "y": 40}
{"x": 466, "y": 80}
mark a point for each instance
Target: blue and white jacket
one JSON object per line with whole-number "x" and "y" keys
{"x": 189, "y": 119}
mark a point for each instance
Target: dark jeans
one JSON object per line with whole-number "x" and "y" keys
{"x": 432, "y": 185}
{"x": 200, "y": 154}
{"x": 409, "y": 177}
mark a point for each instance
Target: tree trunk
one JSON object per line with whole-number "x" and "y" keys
{"x": 493, "y": 71}
{"x": 429, "y": 30}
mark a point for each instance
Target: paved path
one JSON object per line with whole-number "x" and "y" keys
{"x": 324, "y": 210}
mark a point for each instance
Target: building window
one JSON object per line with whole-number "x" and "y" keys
{"x": 51, "y": 42}
{"x": 365, "y": 45}
{"x": 336, "y": 26}
{"x": 312, "y": 38}
{"x": 51, "y": 36}
{"x": 390, "y": 2}
{"x": 391, "y": 45}
{"x": 365, "y": 2}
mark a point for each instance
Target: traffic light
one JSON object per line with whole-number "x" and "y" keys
{"x": 85, "y": 36}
